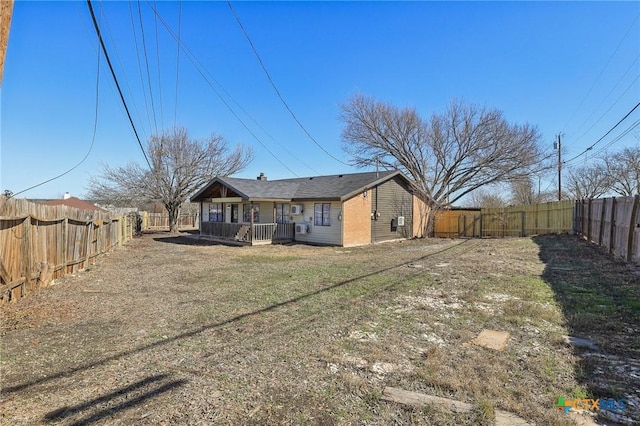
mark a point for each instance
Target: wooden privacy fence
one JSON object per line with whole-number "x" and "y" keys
{"x": 39, "y": 243}
{"x": 613, "y": 223}
{"x": 157, "y": 221}
{"x": 517, "y": 221}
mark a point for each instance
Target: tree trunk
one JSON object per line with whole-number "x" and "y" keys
{"x": 174, "y": 215}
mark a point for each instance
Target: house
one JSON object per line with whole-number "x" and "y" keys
{"x": 342, "y": 210}
{"x": 75, "y": 202}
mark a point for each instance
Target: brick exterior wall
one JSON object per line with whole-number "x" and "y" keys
{"x": 356, "y": 220}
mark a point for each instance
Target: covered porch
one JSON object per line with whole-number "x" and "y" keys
{"x": 245, "y": 216}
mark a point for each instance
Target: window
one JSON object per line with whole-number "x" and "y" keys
{"x": 246, "y": 213}
{"x": 282, "y": 213}
{"x": 322, "y": 214}
{"x": 216, "y": 212}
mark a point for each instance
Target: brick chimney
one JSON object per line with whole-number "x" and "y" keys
{"x": 261, "y": 177}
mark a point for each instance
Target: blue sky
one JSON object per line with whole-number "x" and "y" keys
{"x": 572, "y": 67}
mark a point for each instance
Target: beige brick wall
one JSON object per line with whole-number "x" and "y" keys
{"x": 356, "y": 221}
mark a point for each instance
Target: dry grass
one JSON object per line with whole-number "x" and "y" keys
{"x": 168, "y": 330}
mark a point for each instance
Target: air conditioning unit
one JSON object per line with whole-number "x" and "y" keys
{"x": 301, "y": 228}
{"x": 400, "y": 220}
{"x": 296, "y": 209}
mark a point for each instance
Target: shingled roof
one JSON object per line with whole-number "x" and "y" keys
{"x": 332, "y": 187}
{"x": 74, "y": 202}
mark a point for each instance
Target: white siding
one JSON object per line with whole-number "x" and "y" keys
{"x": 266, "y": 212}
{"x": 205, "y": 212}
{"x": 320, "y": 234}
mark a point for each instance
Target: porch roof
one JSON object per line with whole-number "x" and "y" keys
{"x": 332, "y": 187}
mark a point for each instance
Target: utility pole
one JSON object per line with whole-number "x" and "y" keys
{"x": 558, "y": 146}
{"x": 6, "y": 10}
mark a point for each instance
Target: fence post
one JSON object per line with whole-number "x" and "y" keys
{"x": 634, "y": 210}
{"x": 523, "y": 217}
{"x": 464, "y": 226}
{"x": 119, "y": 231}
{"x": 612, "y": 227}
{"x": 26, "y": 254}
{"x": 582, "y": 216}
{"x": 65, "y": 243}
{"x": 89, "y": 238}
{"x": 98, "y": 236}
{"x": 602, "y": 214}
{"x": 589, "y": 222}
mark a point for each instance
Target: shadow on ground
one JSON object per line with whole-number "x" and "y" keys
{"x": 600, "y": 299}
{"x": 114, "y": 402}
{"x": 188, "y": 238}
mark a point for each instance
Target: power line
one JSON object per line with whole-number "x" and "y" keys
{"x": 93, "y": 138}
{"x": 194, "y": 61}
{"x": 175, "y": 110}
{"x": 200, "y": 67}
{"x": 610, "y": 107}
{"x": 631, "y": 66}
{"x": 155, "y": 20}
{"x": 603, "y": 136}
{"x": 135, "y": 42}
{"x": 146, "y": 60}
{"x": 103, "y": 16}
{"x": 617, "y": 138}
{"x": 115, "y": 80}
{"x": 603, "y": 69}
{"x": 264, "y": 68}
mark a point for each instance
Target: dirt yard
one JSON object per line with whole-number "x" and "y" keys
{"x": 171, "y": 330}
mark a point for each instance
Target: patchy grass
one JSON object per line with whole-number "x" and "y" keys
{"x": 172, "y": 330}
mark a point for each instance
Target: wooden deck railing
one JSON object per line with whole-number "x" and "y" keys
{"x": 226, "y": 231}
{"x": 261, "y": 232}
{"x": 284, "y": 231}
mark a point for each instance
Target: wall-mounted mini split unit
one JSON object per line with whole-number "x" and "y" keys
{"x": 302, "y": 228}
{"x": 400, "y": 220}
{"x": 296, "y": 209}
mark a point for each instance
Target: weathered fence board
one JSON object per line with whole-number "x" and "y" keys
{"x": 517, "y": 221}
{"x": 40, "y": 242}
{"x": 456, "y": 223}
{"x": 613, "y": 223}
{"x": 158, "y": 221}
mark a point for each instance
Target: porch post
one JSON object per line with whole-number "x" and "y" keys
{"x": 251, "y": 223}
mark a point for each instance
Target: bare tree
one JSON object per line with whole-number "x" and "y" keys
{"x": 588, "y": 182}
{"x": 447, "y": 156}
{"x": 488, "y": 199}
{"x": 180, "y": 165}
{"x": 524, "y": 191}
{"x": 623, "y": 171}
